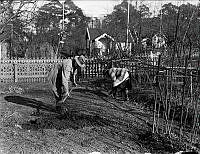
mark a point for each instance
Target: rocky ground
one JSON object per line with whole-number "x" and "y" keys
{"x": 94, "y": 123}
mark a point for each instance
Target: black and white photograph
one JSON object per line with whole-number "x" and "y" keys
{"x": 99, "y": 77}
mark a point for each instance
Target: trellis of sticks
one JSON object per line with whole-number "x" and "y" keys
{"x": 169, "y": 94}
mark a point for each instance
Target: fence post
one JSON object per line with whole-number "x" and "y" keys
{"x": 15, "y": 71}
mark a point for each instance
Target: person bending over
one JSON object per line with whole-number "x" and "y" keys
{"x": 121, "y": 80}
{"x": 78, "y": 66}
{"x": 59, "y": 78}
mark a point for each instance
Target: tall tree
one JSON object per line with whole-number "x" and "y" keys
{"x": 169, "y": 17}
{"x": 116, "y": 23}
{"x": 187, "y": 22}
{"x": 50, "y": 21}
{"x": 11, "y": 24}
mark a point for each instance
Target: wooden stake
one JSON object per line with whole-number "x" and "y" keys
{"x": 173, "y": 56}
{"x": 185, "y": 121}
{"x": 155, "y": 111}
{"x": 183, "y": 97}
{"x": 155, "y": 124}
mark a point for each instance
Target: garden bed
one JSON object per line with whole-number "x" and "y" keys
{"x": 95, "y": 123}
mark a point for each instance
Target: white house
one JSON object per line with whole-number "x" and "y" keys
{"x": 98, "y": 43}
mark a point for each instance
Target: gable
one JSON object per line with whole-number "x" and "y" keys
{"x": 104, "y": 36}
{"x": 93, "y": 33}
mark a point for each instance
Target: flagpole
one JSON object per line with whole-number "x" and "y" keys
{"x": 127, "y": 30}
{"x": 161, "y": 20}
{"x": 63, "y": 16}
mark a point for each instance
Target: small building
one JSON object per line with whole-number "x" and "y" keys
{"x": 98, "y": 43}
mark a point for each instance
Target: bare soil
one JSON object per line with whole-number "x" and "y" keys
{"x": 94, "y": 123}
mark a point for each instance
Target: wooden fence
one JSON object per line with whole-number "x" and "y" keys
{"x": 25, "y": 70}
{"x": 36, "y": 70}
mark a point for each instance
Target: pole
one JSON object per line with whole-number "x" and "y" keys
{"x": 161, "y": 20}
{"x": 136, "y": 4}
{"x": 63, "y": 16}
{"x": 127, "y": 30}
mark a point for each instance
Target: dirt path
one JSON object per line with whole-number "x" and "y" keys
{"x": 95, "y": 123}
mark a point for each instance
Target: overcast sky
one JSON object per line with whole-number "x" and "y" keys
{"x": 98, "y": 8}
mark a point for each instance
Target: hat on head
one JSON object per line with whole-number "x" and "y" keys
{"x": 80, "y": 60}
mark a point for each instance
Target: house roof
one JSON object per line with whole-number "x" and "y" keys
{"x": 96, "y": 33}
{"x": 104, "y": 36}
{"x": 93, "y": 33}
